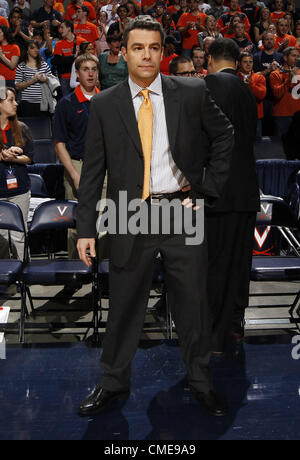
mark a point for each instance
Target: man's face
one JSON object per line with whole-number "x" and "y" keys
{"x": 234, "y": 4}
{"x": 122, "y": 13}
{"x": 159, "y": 10}
{"x": 278, "y": 5}
{"x": 246, "y": 65}
{"x": 80, "y": 14}
{"x": 64, "y": 30}
{"x": 143, "y": 55}
{"x": 88, "y": 75}
{"x": 115, "y": 46}
{"x": 268, "y": 42}
{"x": 239, "y": 29}
{"x": 186, "y": 69}
{"x": 292, "y": 59}
{"x": 282, "y": 27}
{"x": 198, "y": 58}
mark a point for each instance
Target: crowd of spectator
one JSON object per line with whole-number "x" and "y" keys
{"x": 36, "y": 43}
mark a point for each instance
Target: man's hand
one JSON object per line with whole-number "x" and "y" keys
{"x": 83, "y": 245}
{"x": 76, "y": 180}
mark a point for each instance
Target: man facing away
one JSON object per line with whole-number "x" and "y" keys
{"x": 153, "y": 166}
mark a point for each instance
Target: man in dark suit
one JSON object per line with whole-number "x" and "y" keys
{"x": 230, "y": 225}
{"x": 183, "y": 117}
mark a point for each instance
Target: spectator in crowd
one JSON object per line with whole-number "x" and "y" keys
{"x": 71, "y": 13}
{"x": 25, "y": 9}
{"x": 283, "y": 81}
{"x": 47, "y": 16}
{"x": 69, "y": 130}
{"x": 134, "y": 9}
{"x": 31, "y": 73}
{"x": 184, "y": 8}
{"x": 19, "y": 28}
{"x": 16, "y": 151}
{"x": 190, "y": 24}
{"x": 203, "y": 7}
{"x": 256, "y": 83}
{"x": 159, "y": 11}
{"x": 46, "y": 44}
{"x": 198, "y": 58}
{"x": 84, "y": 48}
{"x": 87, "y": 30}
{"x": 4, "y": 5}
{"x": 218, "y": 9}
{"x": 103, "y": 30}
{"x": 169, "y": 54}
{"x": 64, "y": 54}
{"x": 234, "y": 10}
{"x": 262, "y": 25}
{"x": 9, "y": 56}
{"x": 113, "y": 68}
{"x": 282, "y": 39}
{"x": 241, "y": 40}
{"x": 117, "y": 28}
{"x": 206, "y": 45}
{"x": 183, "y": 66}
{"x": 112, "y": 11}
{"x": 174, "y": 8}
{"x": 170, "y": 27}
{"x": 278, "y": 11}
{"x": 252, "y": 9}
{"x": 291, "y": 25}
{"x": 210, "y": 30}
{"x": 230, "y": 224}
{"x": 291, "y": 7}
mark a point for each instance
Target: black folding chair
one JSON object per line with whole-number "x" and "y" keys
{"x": 38, "y": 186}
{"x": 275, "y": 212}
{"x": 52, "y": 216}
{"x": 11, "y": 219}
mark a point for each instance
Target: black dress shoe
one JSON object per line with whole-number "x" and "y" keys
{"x": 100, "y": 399}
{"x": 211, "y": 402}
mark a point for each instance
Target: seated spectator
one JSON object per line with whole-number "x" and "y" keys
{"x": 169, "y": 54}
{"x": 282, "y": 39}
{"x": 183, "y": 66}
{"x": 278, "y": 11}
{"x": 283, "y": 81}
{"x": 25, "y": 8}
{"x": 241, "y": 40}
{"x": 113, "y": 68}
{"x": 234, "y": 10}
{"x": 9, "y": 56}
{"x": 84, "y": 48}
{"x": 117, "y": 28}
{"x": 103, "y": 30}
{"x": 189, "y": 25}
{"x": 230, "y": 33}
{"x": 218, "y": 9}
{"x": 31, "y": 73}
{"x": 19, "y": 28}
{"x": 256, "y": 83}
{"x": 87, "y": 30}
{"x": 198, "y": 58}
{"x": 210, "y": 30}
{"x": 262, "y": 25}
{"x": 64, "y": 54}
{"x": 16, "y": 151}
{"x": 47, "y": 16}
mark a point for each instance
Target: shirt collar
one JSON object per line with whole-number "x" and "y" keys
{"x": 81, "y": 97}
{"x": 155, "y": 87}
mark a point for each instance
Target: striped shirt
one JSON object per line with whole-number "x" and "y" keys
{"x": 24, "y": 73}
{"x": 165, "y": 175}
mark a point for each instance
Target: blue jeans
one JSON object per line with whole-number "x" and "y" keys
{"x": 282, "y": 124}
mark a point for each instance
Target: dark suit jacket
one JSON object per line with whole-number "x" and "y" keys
{"x": 201, "y": 141}
{"x": 238, "y": 103}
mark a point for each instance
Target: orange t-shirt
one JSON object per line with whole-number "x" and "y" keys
{"x": 165, "y": 63}
{"x": 65, "y": 48}
{"x": 286, "y": 103}
{"x": 88, "y": 31}
{"x": 279, "y": 40}
{"x": 277, "y": 15}
{"x": 58, "y": 6}
{"x": 191, "y": 39}
{"x": 71, "y": 13}
{"x": 9, "y": 51}
{"x": 4, "y": 21}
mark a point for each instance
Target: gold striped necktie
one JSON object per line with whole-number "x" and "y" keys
{"x": 145, "y": 126}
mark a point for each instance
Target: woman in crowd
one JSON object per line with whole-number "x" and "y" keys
{"x": 16, "y": 151}
{"x": 84, "y": 48}
{"x": 262, "y": 25}
{"x": 211, "y": 30}
{"x": 19, "y": 28}
{"x": 31, "y": 73}
{"x": 113, "y": 68}
{"x": 102, "y": 23}
{"x": 9, "y": 56}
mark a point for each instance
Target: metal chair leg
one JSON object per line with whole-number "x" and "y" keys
{"x": 22, "y": 314}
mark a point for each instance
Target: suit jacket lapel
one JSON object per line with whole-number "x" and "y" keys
{"x": 172, "y": 108}
{"x": 127, "y": 114}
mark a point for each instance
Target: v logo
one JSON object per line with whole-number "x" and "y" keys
{"x": 260, "y": 239}
{"x": 62, "y": 210}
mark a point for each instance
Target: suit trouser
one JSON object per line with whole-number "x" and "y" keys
{"x": 17, "y": 238}
{"x": 230, "y": 246}
{"x": 186, "y": 281}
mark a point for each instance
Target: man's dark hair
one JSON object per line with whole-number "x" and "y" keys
{"x": 123, "y": 6}
{"x": 113, "y": 38}
{"x": 69, "y": 24}
{"x": 176, "y": 61}
{"x": 245, "y": 54}
{"x": 289, "y": 50}
{"x": 144, "y": 22}
{"x": 265, "y": 34}
{"x": 196, "y": 48}
{"x": 224, "y": 48}
{"x": 86, "y": 10}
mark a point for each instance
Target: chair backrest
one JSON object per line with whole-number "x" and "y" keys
{"x": 40, "y": 127}
{"x": 275, "y": 212}
{"x": 54, "y": 215}
{"x": 38, "y": 186}
{"x": 44, "y": 151}
{"x": 11, "y": 217}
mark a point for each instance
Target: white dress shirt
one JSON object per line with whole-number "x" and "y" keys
{"x": 165, "y": 175}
